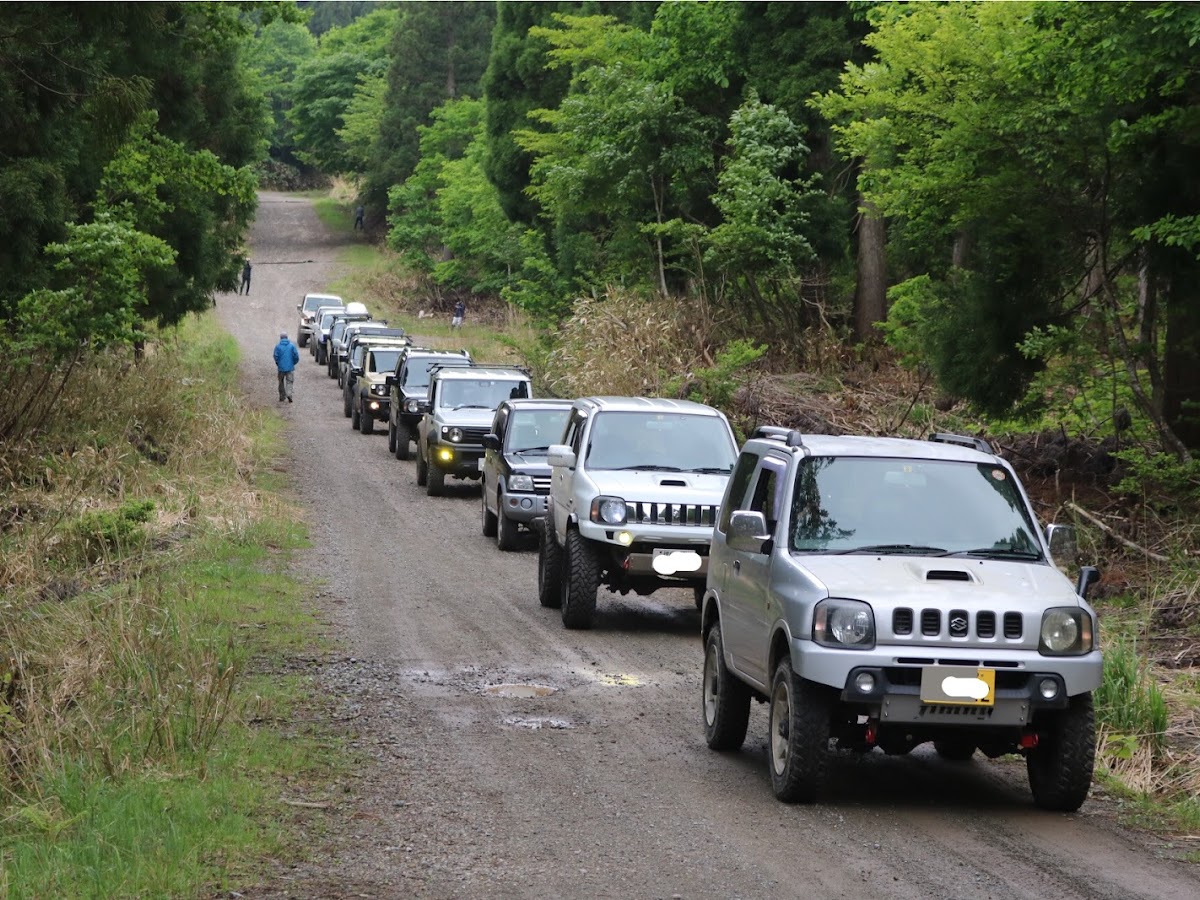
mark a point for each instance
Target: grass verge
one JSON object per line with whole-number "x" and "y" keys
{"x": 151, "y": 638}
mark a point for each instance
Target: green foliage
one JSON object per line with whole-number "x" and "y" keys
{"x": 1129, "y": 701}
{"x": 1159, "y": 475}
{"x": 107, "y": 532}
{"x": 717, "y": 384}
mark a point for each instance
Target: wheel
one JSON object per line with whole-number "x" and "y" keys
{"x": 366, "y": 421}
{"x": 489, "y": 517}
{"x": 331, "y": 367}
{"x": 320, "y": 354}
{"x": 580, "y": 581}
{"x": 301, "y": 338}
{"x": 347, "y": 403}
{"x": 1060, "y": 766}
{"x": 507, "y": 533}
{"x": 726, "y": 699}
{"x": 549, "y": 567}
{"x": 354, "y": 417}
{"x": 797, "y": 735}
{"x": 403, "y": 436}
{"x": 955, "y": 749}
{"x": 436, "y": 479}
{"x": 391, "y": 438}
{"x": 422, "y": 470}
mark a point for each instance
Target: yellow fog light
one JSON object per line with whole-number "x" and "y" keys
{"x": 624, "y": 538}
{"x": 445, "y": 455}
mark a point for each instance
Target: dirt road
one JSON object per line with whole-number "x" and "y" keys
{"x": 513, "y": 758}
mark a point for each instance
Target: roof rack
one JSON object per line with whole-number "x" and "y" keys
{"x": 790, "y": 436}
{"x": 962, "y": 440}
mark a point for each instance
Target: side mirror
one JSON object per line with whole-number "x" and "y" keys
{"x": 1063, "y": 546}
{"x": 1088, "y": 575}
{"x": 389, "y": 380}
{"x": 491, "y": 442}
{"x": 748, "y": 532}
{"x": 297, "y": 307}
{"x": 356, "y": 370}
{"x": 561, "y": 455}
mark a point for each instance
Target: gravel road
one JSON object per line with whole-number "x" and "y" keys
{"x": 513, "y": 758}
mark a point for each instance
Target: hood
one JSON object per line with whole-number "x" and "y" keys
{"x": 914, "y": 580}
{"x": 466, "y": 418}
{"x": 529, "y": 463}
{"x": 664, "y": 487}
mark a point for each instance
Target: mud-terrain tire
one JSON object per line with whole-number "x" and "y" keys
{"x": 1060, "y": 766}
{"x": 726, "y": 699}
{"x": 549, "y": 567}
{"x": 301, "y": 339}
{"x": 488, "y": 524}
{"x": 507, "y": 533}
{"x": 580, "y": 581}
{"x": 403, "y": 436}
{"x": 391, "y": 437}
{"x": 353, "y": 414}
{"x": 955, "y": 749}
{"x": 329, "y": 368}
{"x": 435, "y": 481}
{"x": 797, "y": 735}
{"x": 366, "y": 421}
{"x": 348, "y": 404}
{"x": 422, "y": 470}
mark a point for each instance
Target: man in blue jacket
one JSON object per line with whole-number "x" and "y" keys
{"x": 286, "y": 358}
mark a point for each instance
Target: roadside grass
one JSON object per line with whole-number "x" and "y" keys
{"x": 154, "y": 700}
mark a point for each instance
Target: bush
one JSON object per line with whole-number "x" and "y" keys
{"x": 1129, "y": 703}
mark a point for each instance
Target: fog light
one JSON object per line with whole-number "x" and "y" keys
{"x": 1048, "y": 688}
{"x": 526, "y": 503}
{"x": 865, "y": 682}
{"x": 624, "y": 538}
{"x": 446, "y": 455}
{"x": 374, "y": 404}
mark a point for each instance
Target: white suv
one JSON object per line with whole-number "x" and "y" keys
{"x": 634, "y": 493}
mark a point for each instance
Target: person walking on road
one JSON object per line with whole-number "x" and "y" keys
{"x": 286, "y": 358}
{"x": 245, "y": 288}
{"x": 460, "y": 313}
{"x": 359, "y": 215}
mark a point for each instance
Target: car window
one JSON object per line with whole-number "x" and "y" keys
{"x": 736, "y": 493}
{"x": 534, "y": 430}
{"x": 383, "y": 360}
{"x": 766, "y": 497}
{"x": 483, "y": 393}
{"x": 641, "y": 440}
{"x": 574, "y": 431}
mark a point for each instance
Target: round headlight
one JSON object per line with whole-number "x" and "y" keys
{"x": 411, "y": 406}
{"x": 456, "y": 435}
{"x": 612, "y": 511}
{"x": 1060, "y": 630}
{"x": 850, "y": 625}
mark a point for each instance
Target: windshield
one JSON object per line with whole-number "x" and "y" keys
{"x": 536, "y": 429}
{"x": 383, "y": 360}
{"x": 855, "y": 504}
{"x": 312, "y": 301}
{"x": 417, "y": 376}
{"x": 483, "y": 393}
{"x": 667, "y": 441}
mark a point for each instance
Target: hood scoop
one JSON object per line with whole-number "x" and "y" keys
{"x": 948, "y": 575}
{"x": 672, "y": 482}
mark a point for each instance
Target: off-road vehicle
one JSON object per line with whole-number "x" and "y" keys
{"x": 307, "y": 308}
{"x": 462, "y": 402}
{"x": 516, "y": 475}
{"x": 408, "y": 388}
{"x": 323, "y": 320}
{"x": 372, "y": 360}
{"x": 883, "y": 592}
{"x": 341, "y": 349}
{"x": 635, "y": 487}
{"x": 336, "y": 329}
{"x": 356, "y": 361}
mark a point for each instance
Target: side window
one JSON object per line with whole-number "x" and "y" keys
{"x": 766, "y": 498}
{"x": 500, "y": 423}
{"x": 573, "y": 432}
{"x": 735, "y": 495}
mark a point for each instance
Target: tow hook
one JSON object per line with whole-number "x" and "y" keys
{"x": 871, "y": 734}
{"x": 1028, "y": 741}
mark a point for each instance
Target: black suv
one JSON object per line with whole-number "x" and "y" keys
{"x": 408, "y": 387}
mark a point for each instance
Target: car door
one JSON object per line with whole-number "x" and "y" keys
{"x": 561, "y": 478}
{"x": 493, "y": 471}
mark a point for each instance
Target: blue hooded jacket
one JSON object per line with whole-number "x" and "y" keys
{"x": 286, "y": 355}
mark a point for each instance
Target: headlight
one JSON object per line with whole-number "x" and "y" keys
{"x": 412, "y": 406}
{"x": 520, "y": 483}
{"x": 844, "y": 623}
{"x": 1066, "y": 631}
{"x": 454, "y": 435}
{"x": 609, "y": 510}
{"x": 380, "y": 389}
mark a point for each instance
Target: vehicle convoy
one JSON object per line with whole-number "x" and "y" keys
{"x": 337, "y": 328}
{"x": 341, "y": 349}
{"x": 635, "y": 487}
{"x": 881, "y": 592}
{"x": 323, "y": 321}
{"x": 356, "y": 360}
{"x": 308, "y": 308}
{"x": 326, "y": 312}
{"x": 372, "y": 360}
{"x": 457, "y": 414}
{"x": 515, "y": 474}
{"x": 408, "y": 389}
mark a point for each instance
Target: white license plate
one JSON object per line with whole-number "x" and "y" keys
{"x": 669, "y": 562}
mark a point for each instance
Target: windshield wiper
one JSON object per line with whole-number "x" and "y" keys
{"x": 915, "y": 549}
{"x": 530, "y": 449}
{"x": 473, "y": 406}
{"x": 998, "y": 553}
{"x": 711, "y": 470}
{"x": 647, "y": 467}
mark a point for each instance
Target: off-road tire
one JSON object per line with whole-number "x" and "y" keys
{"x": 435, "y": 481}
{"x": 549, "y": 567}
{"x": 366, "y": 421}
{"x": 797, "y": 735}
{"x": 507, "y": 533}
{"x": 422, "y": 470}
{"x": 488, "y": 523}
{"x": 403, "y": 436}
{"x": 348, "y": 404}
{"x": 580, "y": 581}
{"x": 725, "y": 700}
{"x": 391, "y": 437}
{"x": 698, "y": 595}
{"x": 329, "y": 368}
{"x": 353, "y": 414}
{"x": 955, "y": 749}
{"x": 301, "y": 339}
{"x": 1060, "y": 766}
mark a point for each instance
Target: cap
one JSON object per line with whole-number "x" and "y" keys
{"x": 283, "y": 334}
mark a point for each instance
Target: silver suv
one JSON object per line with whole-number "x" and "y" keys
{"x": 634, "y": 492}
{"x": 457, "y": 414}
{"x": 880, "y": 592}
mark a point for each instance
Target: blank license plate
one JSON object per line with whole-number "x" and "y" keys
{"x": 958, "y": 685}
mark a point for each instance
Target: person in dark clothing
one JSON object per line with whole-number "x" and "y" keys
{"x": 286, "y": 357}
{"x": 245, "y": 288}
{"x": 460, "y": 313}
{"x": 359, "y": 214}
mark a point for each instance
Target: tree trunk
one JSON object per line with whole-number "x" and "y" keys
{"x": 870, "y": 295}
{"x": 1181, "y": 363}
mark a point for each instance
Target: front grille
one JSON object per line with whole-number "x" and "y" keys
{"x": 985, "y": 624}
{"x": 902, "y": 621}
{"x": 672, "y": 514}
{"x": 1013, "y": 625}
{"x": 541, "y": 484}
{"x": 958, "y": 623}
{"x": 931, "y": 622}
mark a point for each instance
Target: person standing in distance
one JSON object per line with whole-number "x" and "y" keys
{"x": 245, "y": 288}
{"x": 460, "y": 313}
{"x": 286, "y": 358}
{"x": 359, "y": 215}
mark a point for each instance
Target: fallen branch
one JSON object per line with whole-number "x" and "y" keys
{"x": 307, "y": 804}
{"x": 1074, "y": 507}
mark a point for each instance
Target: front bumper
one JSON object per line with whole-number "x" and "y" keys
{"x": 524, "y": 508}
{"x": 376, "y": 407}
{"x": 457, "y": 460}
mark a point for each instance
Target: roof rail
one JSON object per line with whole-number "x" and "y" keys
{"x": 790, "y": 436}
{"x": 962, "y": 440}
{"x": 523, "y": 369}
